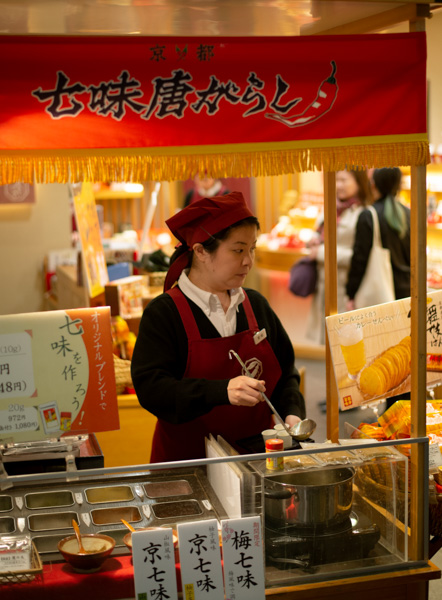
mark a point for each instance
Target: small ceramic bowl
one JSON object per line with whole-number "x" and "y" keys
{"x": 98, "y": 547}
{"x": 127, "y": 539}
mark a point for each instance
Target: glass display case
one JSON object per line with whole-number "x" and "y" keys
{"x": 331, "y": 512}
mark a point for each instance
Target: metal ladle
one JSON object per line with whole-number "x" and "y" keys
{"x": 303, "y": 429}
{"x": 272, "y": 408}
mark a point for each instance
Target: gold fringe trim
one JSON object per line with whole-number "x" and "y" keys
{"x": 77, "y": 166}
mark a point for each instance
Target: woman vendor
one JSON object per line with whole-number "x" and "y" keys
{"x": 181, "y": 366}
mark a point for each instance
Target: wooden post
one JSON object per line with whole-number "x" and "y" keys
{"x": 331, "y": 299}
{"x": 419, "y": 538}
{"x": 419, "y": 528}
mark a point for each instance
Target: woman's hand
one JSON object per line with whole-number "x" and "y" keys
{"x": 245, "y": 391}
{"x": 291, "y": 420}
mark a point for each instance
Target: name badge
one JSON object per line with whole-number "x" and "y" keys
{"x": 259, "y": 336}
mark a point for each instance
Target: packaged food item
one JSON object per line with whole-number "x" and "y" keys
{"x": 304, "y": 461}
{"x": 396, "y": 421}
{"x": 372, "y": 430}
{"x": 15, "y": 553}
{"x": 367, "y": 454}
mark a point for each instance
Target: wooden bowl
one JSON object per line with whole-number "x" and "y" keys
{"x": 98, "y": 547}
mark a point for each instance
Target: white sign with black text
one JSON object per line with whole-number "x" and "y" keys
{"x": 243, "y": 558}
{"x": 200, "y": 559}
{"x": 154, "y": 564}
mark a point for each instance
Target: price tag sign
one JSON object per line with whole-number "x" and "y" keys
{"x": 154, "y": 564}
{"x": 200, "y": 558}
{"x": 57, "y": 374}
{"x": 243, "y": 559}
{"x": 17, "y": 371}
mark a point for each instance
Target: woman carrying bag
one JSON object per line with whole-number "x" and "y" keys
{"x": 353, "y": 193}
{"x": 394, "y": 228}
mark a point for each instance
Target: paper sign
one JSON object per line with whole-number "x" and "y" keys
{"x": 435, "y": 457}
{"x": 200, "y": 559}
{"x": 370, "y": 350}
{"x": 154, "y": 564}
{"x": 90, "y": 238}
{"x": 56, "y": 374}
{"x": 243, "y": 559}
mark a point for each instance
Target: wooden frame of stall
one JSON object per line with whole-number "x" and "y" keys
{"x": 419, "y": 532}
{"x": 413, "y": 583}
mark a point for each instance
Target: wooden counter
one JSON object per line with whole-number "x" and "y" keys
{"x": 115, "y": 581}
{"x": 410, "y": 584}
{"x": 278, "y": 260}
{"x": 132, "y": 443}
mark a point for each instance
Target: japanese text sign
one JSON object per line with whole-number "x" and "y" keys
{"x": 151, "y": 98}
{"x": 154, "y": 564}
{"x": 371, "y": 350}
{"x": 56, "y": 374}
{"x": 243, "y": 559}
{"x": 200, "y": 560}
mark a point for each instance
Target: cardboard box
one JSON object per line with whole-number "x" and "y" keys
{"x": 125, "y": 296}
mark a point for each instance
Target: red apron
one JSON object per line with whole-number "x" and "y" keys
{"x": 209, "y": 359}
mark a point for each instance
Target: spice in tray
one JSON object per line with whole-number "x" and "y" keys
{"x": 168, "y": 488}
{"x": 169, "y": 510}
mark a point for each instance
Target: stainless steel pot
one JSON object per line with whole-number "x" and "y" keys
{"x": 314, "y": 498}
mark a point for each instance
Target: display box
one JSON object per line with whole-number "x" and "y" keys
{"x": 125, "y": 296}
{"x": 333, "y": 511}
{"x": 85, "y": 450}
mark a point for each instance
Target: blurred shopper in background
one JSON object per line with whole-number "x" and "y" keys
{"x": 353, "y": 193}
{"x": 204, "y": 187}
{"x": 394, "y": 225}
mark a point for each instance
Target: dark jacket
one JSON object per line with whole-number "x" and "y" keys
{"x": 399, "y": 251}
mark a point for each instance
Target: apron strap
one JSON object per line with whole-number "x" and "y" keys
{"x": 188, "y": 319}
{"x": 251, "y": 319}
{"x": 186, "y": 313}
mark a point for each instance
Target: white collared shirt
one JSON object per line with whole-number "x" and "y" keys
{"x": 210, "y": 304}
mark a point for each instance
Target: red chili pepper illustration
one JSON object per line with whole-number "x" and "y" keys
{"x": 325, "y": 98}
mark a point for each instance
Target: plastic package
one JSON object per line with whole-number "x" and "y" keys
{"x": 15, "y": 553}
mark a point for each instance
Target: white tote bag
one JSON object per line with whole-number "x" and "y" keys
{"x": 377, "y": 285}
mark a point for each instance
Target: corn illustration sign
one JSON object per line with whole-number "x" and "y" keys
{"x": 371, "y": 350}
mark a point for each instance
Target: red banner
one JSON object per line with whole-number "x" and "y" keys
{"x": 95, "y": 103}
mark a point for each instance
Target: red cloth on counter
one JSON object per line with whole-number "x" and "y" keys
{"x": 59, "y": 581}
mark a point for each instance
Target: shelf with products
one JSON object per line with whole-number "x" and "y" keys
{"x": 288, "y": 239}
{"x": 124, "y": 206}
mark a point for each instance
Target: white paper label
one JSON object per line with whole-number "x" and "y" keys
{"x": 16, "y": 368}
{"x": 15, "y": 561}
{"x": 243, "y": 559}
{"x": 200, "y": 559}
{"x": 434, "y": 456}
{"x": 154, "y": 564}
